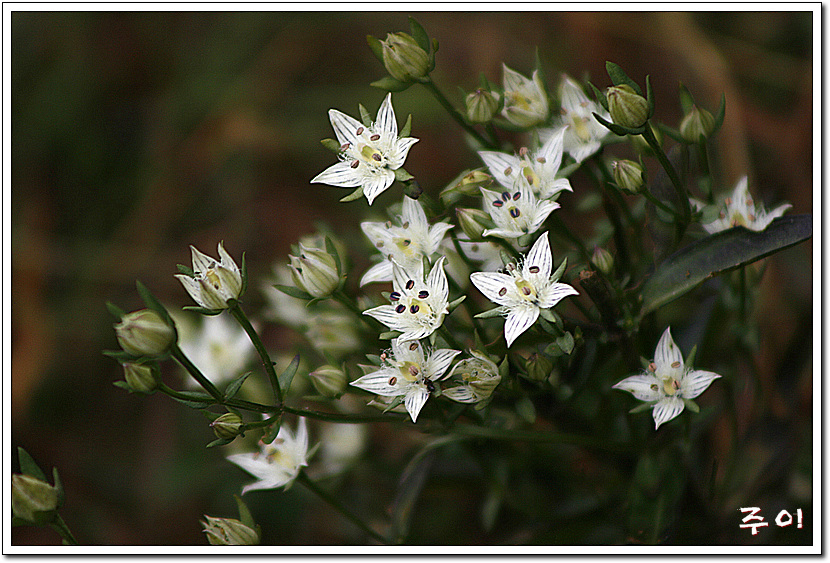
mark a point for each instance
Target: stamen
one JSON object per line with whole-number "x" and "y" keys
{"x": 654, "y": 387}
{"x": 516, "y": 196}
{"x": 728, "y": 201}
{"x": 498, "y": 203}
{"x": 508, "y": 171}
{"x": 394, "y": 296}
{"x": 423, "y": 294}
{"x": 374, "y": 137}
{"x": 533, "y": 269}
{"x": 652, "y": 367}
{"x": 675, "y": 364}
{"x": 379, "y": 244}
{"x": 410, "y": 284}
{"x": 514, "y": 212}
{"x": 414, "y": 309}
{"x": 376, "y": 157}
{"x": 400, "y": 308}
{"x": 526, "y": 290}
{"x": 502, "y": 292}
{"x": 405, "y": 225}
{"x": 413, "y": 346}
{"x": 345, "y": 146}
{"x": 393, "y": 380}
{"x": 523, "y": 151}
{"x": 413, "y": 371}
{"x": 505, "y": 196}
{"x": 541, "y": 160}
{"x": 359, "y": 131}
{"x": 751, "y": 217}
{"x": 355, "y": 164}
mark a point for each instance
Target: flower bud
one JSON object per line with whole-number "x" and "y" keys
{"x": 473, "y": 222}
{"x": 144, "y": 333}
{"x": 229, "y": 531}
{"x": 213, "y": 283}
{"x": 627, "y": 108}
{"x": 602, "y": 260}
{"x": 34, "y": 500}
{"x": 481, "y": 106}
{"x": 696, "y": 123}
{"x": 315, "y": 271}
{"x": 403, "y": 58}
{"x": 227, "y": 426}
{"x": 629, "y": 176}
{"x": 140, "y": 377}
{"x": 329, "y": 381}
{"x": 538, "y": 367}
{"x": 525, "y": 100}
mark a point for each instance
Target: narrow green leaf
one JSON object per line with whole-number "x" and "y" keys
{"x": 244, "y": 514}
{"x": 28, "y": 466}
{"x": 419, "y": 34}
{"x": 119, "y": 355}
{"x": 272, "y": 432}
{"x": 332, "y": 250}
{"x": 718, "y": 253}
{"x": 649, "y": 97}
{"x": 243, "y": 272}
{"x": 116, "y": 311}
{"x": 618, "y": 76}
{"x": 391, "y": 84}
{"x": 220, "y": 442}
{"x": 233, "y": 387}
{"x": 375, "y": 46}
{"x": 566, "y": 342}
{"x": 287, "y": 376}
{"x": 195, "y": 399}
{"x": 203, "y": 310}
{"x": 293, "y": 291}
{"x": 600, "y": 97}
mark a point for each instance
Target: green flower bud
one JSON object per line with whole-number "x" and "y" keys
{"x": 403, "y": 58}
{"x": 329, "y": 381}
{"x": 144, "y": 333}
{"x": 538, "y": 367}
{"x": 229, "y": 531}
{"x": 315, "y": 271}
{"x": 34, "y": 500}
{"x": 696, "y": 123}
{"x": 227, "y": 426}
{"x": 602, "y": 260}
{"x": 627, "y": 108}
{"x": 140, "y": 377}
{"x": 473, "y": 222}
{"x": 481, "y": 106}
{"x": 629, "y": 176}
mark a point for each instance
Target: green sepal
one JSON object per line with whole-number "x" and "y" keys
{"x": 506, "y": 257}
{"x": 718, "y": 253}
{"x": 557, "y": 274}
{"x": 690, "y": 359}
{"x": 154, "y": 305}
{"x": 419, "y": 34}
{"x": 618, "y": 76}
{"x": 497, "y": 312}
{"x": 402, "y": 175}
{"x": 116, "y": 311}
{"x": 407, "y": 127}
{"x": 287, "y": 376}
{"x": 546, "y": 324}
{"x": 548, "y": 315}
{"x": 374, "y": 358}
{"x": 720, "y": 115}
{"x": 687, "y": 102}
{"x": 56, "y": 480}
{"x": 375, "y": 46}
{"x": 233, "y": 387}
{"x": 186, "y": 270}
{"x": 357, "y": 194}
{"x": 364, "y": 115}
{"x": 619, "y": 129}
{"x": 120, "y": 355}
{"x": 642, "y": 407}
{"x": 566, "y": 342}
{"x": 649, "y": 97}
{"x": 691, "y": 405}
{"x": 453, "y": 304}
{"x": 293, "y": 291}
{"x": 203, "y": 310}
{"x": 566, "y": 171}
{"x": 673, "y": 133}
{"x": 123, "y": 385}
{"x": 393, "y": 404}
{"x": 28, "y": 466}
{"x": 391, "y": 84}
{"x": 244, "y": 514}
{"x": 389, "y": 335}
{"x": 243, "y": 273}
{"x": 540, "y": 68}
{"x": 525, "y": 240}
{"x": 331, "y": 249}
{"x": 504, "y": 368}
{"x": 272, "y": 432}
{"x": 220, "y": 442}
{"x": 198, "y": 399}
{"x": 601, "y": 99}
{"x": 332, "y": 145}
{"x": 479, "y": 343}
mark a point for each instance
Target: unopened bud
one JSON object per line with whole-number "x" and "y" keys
{"x": 141, "y": 378}
{"x": 229, "y": 531}
{"x": 627, "y": 108}
{"x": 602, "y": 260}
{"x": 403, "y": 58}
{"x": 481, "y": 106}
{"x": 329, "y": 381}
{"x": 314, "y": 271}
{"x": 227, "y": 426}
{"x": 473, "y": 222}
{"x": 538, "y": 367}
{"x": 34, "y": 500}
{"x": 144, "y": 333}
{"x": 629, "y": 176}
{"x": 696, "y": 123}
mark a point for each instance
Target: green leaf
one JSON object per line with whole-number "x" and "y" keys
{"x": 244, "y": 514}
{"x": 153, "y": 303}
{"x": 293, "y": 291}
{"x": 419, "y": 34}
{"x": 566, "y": 342}
{"x": 618, "y": 76}
{"x": 269, "y": 436}
{"x": 718, "y": 253}
{"x": 357, "y": 194}
{"x": 375, "y": 46}
{"x": 194, "y": 399}
{"x": 220, "y": 442}
{"x": 391, "y": 84}
{"x": 600, "y": 97}
{"x": 287, "y": 376}
{"x": 115, "y": 310}
{"x": 203, "y": 310}
{"x": 28, "y": 465}
{"x": 233, "y": 387}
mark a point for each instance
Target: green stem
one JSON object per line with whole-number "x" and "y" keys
{"x": 341, "y": 418}
{"x": 337, "y": 505}
{"x": 430, "y": 85}
{"x": 682, "y": 196}
{"x": 185, "y": 362}
{"x": 63, "y": 530}
{"x": 236, "y": 403}
{"x": 349, "y": 304}
{"x": 653, "y": 199}
{"x": 538, "y": 437}
{"x": 243, "y": 321}
{"x": 445, "y": 333}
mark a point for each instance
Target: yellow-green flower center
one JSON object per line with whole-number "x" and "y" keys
{"x": 409, "y": 370}
{"x": 670, "y": 386}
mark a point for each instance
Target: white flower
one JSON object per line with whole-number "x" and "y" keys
{"x": 516, "y": 212}
{"x": 667, "y": 382}
{"x": 418, "y": 306}
{"x": 215, "y": 283}
{"x": 525, "y": 100}
{"x": 217, "y": 346}
{"x": 370, "y": 155}
{"x": 276, "y": 464}
{"x": 525, "y": 289}
{"x": 479, "y": 377}
{"x": 539, "y": 168}
{"x": 314, "y": 271}
{"x": 409, "y": 374}
{"x": 583, "y": 134}
{"x": 741, "y": 210}
{"x": 404, "y": 244}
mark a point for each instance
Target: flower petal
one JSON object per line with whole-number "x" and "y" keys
{"x": 415, "y": 400}
{"x": 696, "y": 382}
{"x": 519, "y": 319}
{"x": 460, "y": 394}
{"x": 553, "y": 293}
{"x": 497, "y": 287}
{"x": 380, "y": 272}
{"x": 645, "y": 387}
{"x": 339, "y": 175}
{"x": 499, "y": 163}
{"x": 437, "y": 282}
{"x": 666, "y": 409}
{"x": 398, "y": 154}
{"x": 438, "y": 363}
{"x": 386, "y": 118}
{"x": 345, "y": 127}
{"x": 377, "y": 382}
{"x": 551, "y": 151}
{"x": 667, "y": 355}
{"x": 377, "y": 183}
{"x": 538, "y": 257}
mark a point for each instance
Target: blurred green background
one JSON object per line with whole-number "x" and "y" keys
{"x": 137, "y": 134}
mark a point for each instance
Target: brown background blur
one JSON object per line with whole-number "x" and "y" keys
{"x": 137, "y": 134}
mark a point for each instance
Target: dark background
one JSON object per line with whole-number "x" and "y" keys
{"x": 137, "y": 134}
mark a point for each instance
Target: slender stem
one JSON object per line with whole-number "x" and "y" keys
{"x": 539, "y": 437}
{"x": 61, "y": 528}
{"x": 243, "y": 321}
{"x": 236, "y": 403}
{"x": 506, "y": 245}
{"x": 344, "y": 300}
{"x": 341, "y": 418}
{"x": 337, "y": 505}
{"x": 445, "y": 333}
{"x": 185, "y": 362}
{"x": 430, "y": 85}
{"x": 682, "y": 196}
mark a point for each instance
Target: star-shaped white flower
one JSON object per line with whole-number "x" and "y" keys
{"x": 525, "y": 100}
{"x": 418, "y": 306}
{"x": 539, "y": 167}
{"x": 409, "y": 374}
{"x": 525, "y": 289}
{"x": 215, "y": 283}
{"x": 405, "y": 244}
{"x": 741, "y": 210}
{"x": 517, "y": 211}
{"x": 584, "y": 135}
{"x": 479, "y": 376}
{"x": 276, "y": 464}
{"x": 667, "y": 382}
{"x": 370, "y": 155}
